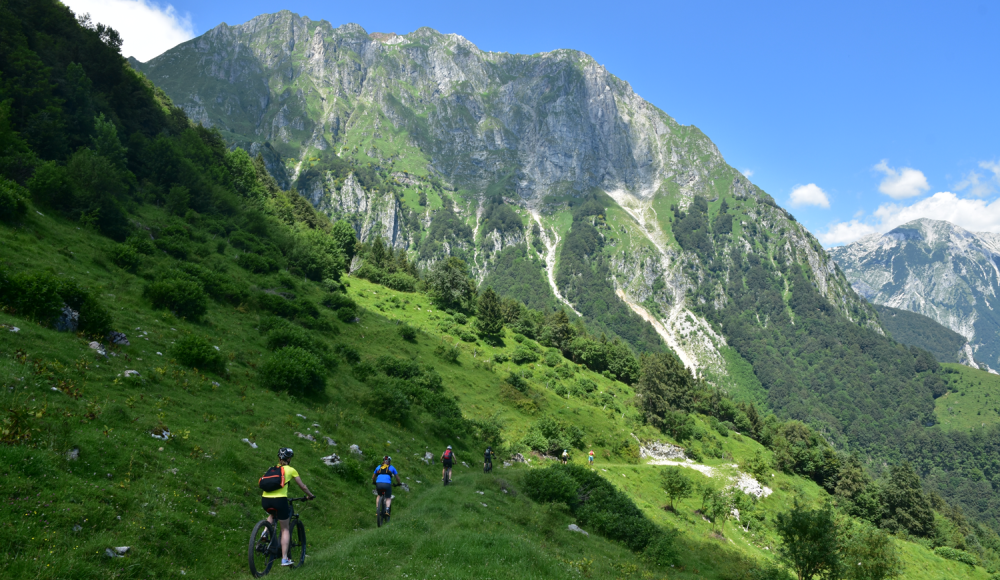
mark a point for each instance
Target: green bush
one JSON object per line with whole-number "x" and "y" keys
{"x": 351, "y": 470}
{"x": 185, "y": 298}
{"x": 125, "y": 256}
{"x": 956, "y": 555}
{"x": 387, "y": 399}
{"x": 348, "y": 353}
{"x": 466, "y": 336}
{"x": 460, "y": 318}
{"x": 449, "y": 353}
{"x": 13, "y": 200}
{"x": 255, "y": 263}
{"x": 500, "y": 357}
{"x": 661, "y": 550}
{"x": 33, "y": 296}
{"x": 608, "y": 511}
{"x": 553, "y": 357}
{"x": 517, "y": 381}
{"x": 94, "y": 318}
{"x": 293, "y": 369}
{"x": 407, "y": 332}
{"x": 276, "y": 304}
{"x": 523, "y": 355}
{"x": 550, "y": 485}
{"x": 288, "y": 334}
{"x": 347, "y": 315}
{"x": 196, "y": 352}
{"x": 400, "y": 282}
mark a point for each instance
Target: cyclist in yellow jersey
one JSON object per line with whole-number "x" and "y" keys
{"x": 275, "y": 503}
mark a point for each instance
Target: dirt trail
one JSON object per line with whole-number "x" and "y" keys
{"x": 550, "y": 260}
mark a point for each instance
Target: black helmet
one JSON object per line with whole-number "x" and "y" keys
{"x": 285, "y": 453}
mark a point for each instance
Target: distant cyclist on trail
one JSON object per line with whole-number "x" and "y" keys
{"x": 590, "y": 457}
{"x": 382, "y": 478}
{"x": 488, "y": 459}
{"x": 447, "y": 458}
{"x": 275, "y": 503}
{"x": 565, "y": 456}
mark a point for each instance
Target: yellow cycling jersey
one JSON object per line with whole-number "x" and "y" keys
{"x": 290, "y": 474}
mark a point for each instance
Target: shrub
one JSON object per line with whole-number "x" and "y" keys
{"x": 254, "y": 263}
{"x": 550, "y": 485}
{"x": 387, "y": 399}
{"x": 399, "y": 368}
{"x": 661, "y": 550}
{"x": 34, "y": 296}
{"x": 523, "y": 355}
{"x": 185, "y": 298}
{"x": 348, "y": 353}
{"x": 347, "y": 315}
{"x": 276, "y": 304}
{"x": 608, "y": 511}
{"x": 956, "y": 555}
{"x": 448, "y": 352}
{"x": 553, "y": 357}
{"x": 586, "y": 385}
{"x": 288, "y": 334}
{"x": 196, "y": 352}
{"x": 400, "y": 282}
{"x": 501, "y": 357}
{"x": 460, "y": 318}
{"x": 407, "y": 332}
{"x": 13, "y": 200}
{"x": 351, "y": 471}
{"x": 94, "y": 318}
{"x": 125, "y": 256}
{"x": 293, "y": 369}
{"x": 174, "y": 246}
{"x": 515, "y": 380}
{"x": 519, "y": 337}
{"x": 467, "y": 336}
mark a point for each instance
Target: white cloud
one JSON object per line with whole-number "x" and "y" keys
{"x": 845, "y": 233}
{"x": 906, "y": 182}
{"x": 748, "y": 173}
{"x": 147, "y": 29}
{"x": 976, "y": 215}
{"x": 810, "y": 194}
{"x": 994, "y": 167}
{"x": 973, "y": 182}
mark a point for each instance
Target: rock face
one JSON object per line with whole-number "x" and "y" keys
{"x": 937, "y": 269}
{"x": 329, "y": 107}
{"x": 555, "y": 121}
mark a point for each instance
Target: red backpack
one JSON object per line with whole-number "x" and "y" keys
{"x": 273, "y": 480}
{"x": 447, "y": 454}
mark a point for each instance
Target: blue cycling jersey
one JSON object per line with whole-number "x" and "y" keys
{"x": 385, "y": 477}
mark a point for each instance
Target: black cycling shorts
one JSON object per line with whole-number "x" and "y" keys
{"x": 277, "y": 507}
{"x": 384, "y": 488}
{"x": 447, "y": 464}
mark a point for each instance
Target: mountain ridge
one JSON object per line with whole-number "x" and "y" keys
{"x": 936, "y": 269}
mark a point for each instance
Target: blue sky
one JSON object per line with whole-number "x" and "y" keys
{"x": 855, "y": 116}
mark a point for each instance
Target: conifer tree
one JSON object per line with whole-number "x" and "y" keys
{"x": 489, "y": 314}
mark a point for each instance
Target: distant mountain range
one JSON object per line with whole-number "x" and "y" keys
{"x": 937, "y": 269}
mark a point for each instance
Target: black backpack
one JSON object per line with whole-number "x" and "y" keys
{"x": 273, "y": 480}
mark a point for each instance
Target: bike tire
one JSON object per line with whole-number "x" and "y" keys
{"x": 259, "y": 553}
{"x": 380, "y": 512}
{"x": 297, "y": 543}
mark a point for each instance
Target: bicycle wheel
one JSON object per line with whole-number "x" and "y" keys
{"x": 297, "y": 543}
{"x": 380, "y": 513}
{"x": 260, "y": 552}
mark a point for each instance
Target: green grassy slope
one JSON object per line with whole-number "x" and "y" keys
{"x": 972, "y": 400}
{"x": 914, "y": 329}
{"x": 187, "y": 504}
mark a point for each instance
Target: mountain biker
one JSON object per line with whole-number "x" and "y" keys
{"x": 382, "y": 478}
{"x": 565, "y": 456}
{"x": 590, "y": 457}
{"x": 488, "y": 459}
{"x": 447, "y": 458}
{"x": 275, "y": 503}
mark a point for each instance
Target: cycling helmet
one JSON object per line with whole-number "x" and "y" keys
{"x": 387, "y": 460}
{"x": 285, "y": 453}
{"x": 449, "y": 447}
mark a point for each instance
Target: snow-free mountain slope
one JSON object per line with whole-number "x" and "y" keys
{"x": 937, "y": 269}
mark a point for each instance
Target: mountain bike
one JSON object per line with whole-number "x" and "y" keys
{"x": 264, "y": 550}
{"x": 381, "y": 517}
{"x": 488, "y": 467}
{"x": 447, "y": 476}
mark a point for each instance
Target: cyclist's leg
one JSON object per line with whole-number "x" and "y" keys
{"x": 286, "y": 537}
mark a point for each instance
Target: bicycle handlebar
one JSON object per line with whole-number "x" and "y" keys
{"x": 303, "y": 498}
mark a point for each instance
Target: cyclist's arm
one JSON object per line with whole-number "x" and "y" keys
{"x": 298, "y": 480}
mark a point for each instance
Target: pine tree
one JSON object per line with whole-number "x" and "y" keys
{"x": 489, "y": 314}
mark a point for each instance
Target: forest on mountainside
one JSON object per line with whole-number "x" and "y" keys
{"x": 917, "y": 330}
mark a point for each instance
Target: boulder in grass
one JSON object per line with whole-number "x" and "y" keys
{"x": 306, "y": 437}
{"x": 331, "y": 460}
{"x": 118, "y": 338}
{"x": 68, "y": 320}
{"x": 356, "y": 449}
{"x": 330, "y": 442}
{"x": 576, "y": 528}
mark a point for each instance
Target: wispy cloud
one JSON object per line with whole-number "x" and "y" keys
{"x": 902, "y": 183}
{"x": 748, "y": 173}
{"x": 810, "y": 194}
{"x": 147, "y": 29}
{"x": 845, "y": 233}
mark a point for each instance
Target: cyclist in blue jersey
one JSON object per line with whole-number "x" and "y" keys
{"x": 382, "y": 478}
